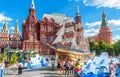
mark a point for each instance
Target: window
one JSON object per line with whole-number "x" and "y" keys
{"x": 46, "y": 29}
{"x": 31, "y": 28}
{"x": 78, "y": 40}
{"x": 51, "y": 39}
{"x": 42, "y": 28}
{"x": 31, "y": 47}
{"x": 44, "y": 39}
{"x": 52, "y": 29}
{"x": 31, "y": 38}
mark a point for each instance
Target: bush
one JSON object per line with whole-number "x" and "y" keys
{"x": 14, "y": 59}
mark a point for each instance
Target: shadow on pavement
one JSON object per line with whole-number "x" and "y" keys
{"x": 10, "y": 74}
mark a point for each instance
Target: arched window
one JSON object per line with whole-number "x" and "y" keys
{"x": 78, "y": 40}
{"x": 52, "y": 29}
{"x": 51, "y": 39}
{"x": 42, "y": 29}
{"x": 45, "y": 28}
{"x": 31, "y": 28}
{"x": 44, "y": 39}
{"x": 31, "y": 38}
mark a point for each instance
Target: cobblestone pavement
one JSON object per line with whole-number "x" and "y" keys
{"x": 38, "y": 72}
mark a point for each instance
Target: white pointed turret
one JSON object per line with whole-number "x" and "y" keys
{"x": 78, "y": 11}
{"x": 33, "y": 5}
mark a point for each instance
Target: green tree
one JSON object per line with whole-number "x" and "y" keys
{"x": 14, "y": 59}
{"x": 116, "y": 48}
{"x": 91, "y": 44}
{"x": 94, "y": 46}
{"x": 109, "y": 49}
{"x": 102, "y": 46}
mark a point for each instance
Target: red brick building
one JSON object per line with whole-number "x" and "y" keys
{"x": 6, "y": 40}
{"x": 52, "y": 30}
{"x": 105, "y": 32}
{"x": 36, "y": 34}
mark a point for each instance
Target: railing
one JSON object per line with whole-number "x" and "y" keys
{"x": 70, "y": 49}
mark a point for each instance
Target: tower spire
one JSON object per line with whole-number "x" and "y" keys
{"x": 77, "y": 10}
{"x": 104, "y": 21}
{"x": 78, "y": 17}
{"x": 16, "y": 27}
{"x": 5, "y": 27}
{"x": 33, "y": 5}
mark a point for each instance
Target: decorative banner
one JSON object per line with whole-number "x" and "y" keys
{"x": 36, "y": 62}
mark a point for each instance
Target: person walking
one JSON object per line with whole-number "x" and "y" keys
{"x": 2, "y": 68}
{"x": 67, "y": 67}
{"x": 20, "y": 67}
{"x": 118, "y": 70}
{"x": 71, "y": 67}
{"x": 63, "y": 66}
{"x": 112, "y": 69}
{"x": 59, "y": 67}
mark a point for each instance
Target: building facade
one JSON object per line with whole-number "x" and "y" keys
{"x": 6, "y": 40}
{"x": 52, "y": 30}
{"x": 104, "y": 34}
{"x": 45, "y": 34}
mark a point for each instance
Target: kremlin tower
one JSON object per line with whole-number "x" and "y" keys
{"x": 105, "y": 34}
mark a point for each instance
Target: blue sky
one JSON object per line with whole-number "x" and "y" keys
{"x": 90, "y": 11}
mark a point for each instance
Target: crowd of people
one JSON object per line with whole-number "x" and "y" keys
{"x": 69, "y": 67}
{"x": 66, "y": 67}
{"x": 114, "y": 69}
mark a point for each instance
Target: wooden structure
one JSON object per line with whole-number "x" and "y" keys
{"x": 74, "y": 56}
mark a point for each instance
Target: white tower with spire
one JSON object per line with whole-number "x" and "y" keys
{"x": 78, "y": 11}
{"x": 33, "y": 5}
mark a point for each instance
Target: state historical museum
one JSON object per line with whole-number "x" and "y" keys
{"x": 52, "y": 30}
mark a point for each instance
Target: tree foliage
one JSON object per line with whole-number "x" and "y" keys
{"x": 116, "y": 48}
{"x": 101, "y": 47}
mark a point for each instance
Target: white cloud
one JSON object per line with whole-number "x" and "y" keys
{"x": 91, "y": 32}
{"x": 103, "y": 3}
{"x": 94, "y": 27}
{"x": 116, "y": 37}
{"x": 3, "y": 17}
{"x": 114, "y": 24}
{"x": 12, "y": 28}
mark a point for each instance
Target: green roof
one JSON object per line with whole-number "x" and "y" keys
{"x": 5, "y": 27}
{"x": 16, "y": 27}
{"x": 104, "y": 21}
